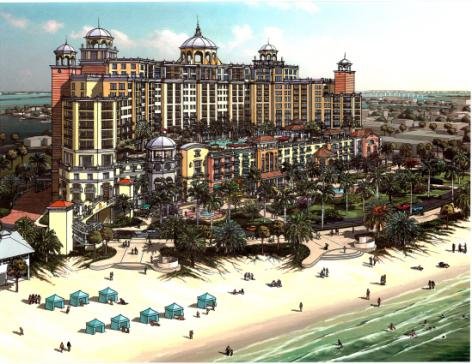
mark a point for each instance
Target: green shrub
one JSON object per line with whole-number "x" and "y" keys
{"x": 45, "y": 219}
{"x": 4, "y": 212}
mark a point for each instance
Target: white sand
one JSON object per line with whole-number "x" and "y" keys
{"x": 261, "y": 312}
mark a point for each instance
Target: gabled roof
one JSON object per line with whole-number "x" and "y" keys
{"x": 60, "y": 204}
{"x": 149, "y": 311}
{"x": 174, "y": 306}
{"x": 108, "y": 290}
{"x": 207, "y": 296}
{"x": 264, "y": 138}
{"x": 79, "y": 294}
{"x": 125, "y": 181}
{"x": 119, "y": 318}
{"x": 12, "y": 245}
{"x": 95, "y": 323}
{"x": 55, "y": 298}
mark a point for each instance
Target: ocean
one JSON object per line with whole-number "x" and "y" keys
{"x": 365, "y": 337}
{"x": 25, "y": 128}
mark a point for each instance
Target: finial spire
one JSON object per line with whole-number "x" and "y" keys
{"x": 344, "y": 54}
{"x": 198, "y": 32}
{"x": 98, "y": 22}
{"x": 268, "y": 40}
{"x": 66, "y": 39}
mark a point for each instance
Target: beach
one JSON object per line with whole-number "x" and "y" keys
{"x": 239, "y": 320}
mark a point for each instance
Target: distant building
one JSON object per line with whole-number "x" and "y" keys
{"x": 37, "y": 141}
{"x": 13, "y": 246}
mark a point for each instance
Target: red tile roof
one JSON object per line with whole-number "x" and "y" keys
{"x": 264, "y": 138}
{"x": 126, "y": 181}
{"x": 60, "y": 204}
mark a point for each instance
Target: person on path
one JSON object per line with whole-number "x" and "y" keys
{"x": 367, "y": 294}
{"x": 370, "y": 262}
{"x": 145, "y": 269}
{"x": 300, "y": 306}
{"x": 433, "y": 284}
{"x": 227, "y": 350}
{"x": 459, "y": 248}
{"x": 68, "y": 309}
{"x": 21, "y": 331}
{"x": 378, "y": 302}
{"x": 327, "y": 272}
{"x": 61, "y": 347}
{"x": 453, "y": 247}
{"x": 344, "y": 249}
{"x": 68, "y": 346}
{"x": 190, "y": 334}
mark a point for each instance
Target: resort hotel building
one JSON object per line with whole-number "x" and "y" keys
{"x": 99, "y": 100}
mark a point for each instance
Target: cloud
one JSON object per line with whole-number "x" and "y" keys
{"x": 13, "y": 21}
{"x": 241, "y": 35}
{"x": 308, "y": 6}
{"x": 52, "y": 26}
{"x": 122, "y": 40}
{"x": 81, "y": 33}
{"x": 166, "y": 42}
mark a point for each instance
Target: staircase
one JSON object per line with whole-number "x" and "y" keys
{"x": 338, "y": 254}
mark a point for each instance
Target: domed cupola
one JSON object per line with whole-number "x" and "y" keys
{"x": 161, "y": 160}
{"x": 344, "y": 64}
{"x": 98, "y": 46}
{"x": 268, "y": 52}
{"x": 65, "y": 55}
{"x": 198, "y": 50}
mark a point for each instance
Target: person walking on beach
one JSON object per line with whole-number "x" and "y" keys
{"x": 327, "y": 272}
{"x": 21, "y": 331}
{"x": 300, "y": 306}
{"x": 378, "y": 302}
{"x": 367, "y": 294}
{"x": 68, "y": 346}
{"x": 61, "y": 347}
{"x": 190, "y": 334}
{"x": 465, "y": 248}
{"x": 370, "y": 262}
{"x": 111, "y": 276}
{"x": 344, "y": 249}
{"x": 459, "y": 248}
{"x": 453, "y": 247}
{"x": 145, "y": 269}
{"x": 68, "y": 309}
{"x": 340, "y": 344}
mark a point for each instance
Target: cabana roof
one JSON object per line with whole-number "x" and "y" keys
{"x": 95, "y": 323}
{"x": 149, "y": 312}
{"x": 108, "y": 290}
{"x": 206, "y": 296}
{"x": 174, "y": 306}
{"x": 79, "y": 294}
{"x": 55, "y": 298}
{"x": 119, "y": 318}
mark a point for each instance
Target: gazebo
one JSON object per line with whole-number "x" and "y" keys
{"x": 79, "y": 298}
{"x": 174, "y": 310}
{"x": 93, "y": 326}
{"x": 148, "y": 315}
{"x": 54, "y": 301}
{"x": 206, "y": 300}
{"x": 107, "y": 294}
{"x": 118, "y": 322}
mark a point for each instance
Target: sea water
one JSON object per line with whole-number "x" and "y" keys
{"x": 365, "y": 335}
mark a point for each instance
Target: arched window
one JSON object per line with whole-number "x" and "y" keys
{"x": 198, "y": 57}
{"x": 207, "y": 57}
{"x": 189, "y": 57}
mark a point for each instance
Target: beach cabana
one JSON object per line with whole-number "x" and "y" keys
{"x": 118, "y": 322}
{"x": 54, "y": 301}
{"x": 174, "y": 310}
{"x": 93, "y": 326}
{"x": 206, "y": 300}
{"x": 107, "y": 294}
{"x": 148, "y": 315}
{"x": 79, "y": 297}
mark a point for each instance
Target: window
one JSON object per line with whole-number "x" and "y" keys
{"x": 123, "y": 65}
{"x": 114, "y": 65}
{"x": 112, "y": 86}
{"x": 106, "y": 175}
{"x": 90, "y": 176}
{"x": 76, "y": 176}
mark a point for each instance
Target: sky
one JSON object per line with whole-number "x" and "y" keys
{"x": 407, "y": 45}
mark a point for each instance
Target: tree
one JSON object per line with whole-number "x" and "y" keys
{"x": 14, "y": 137}
{"x": 284, "y": 199}
{"x": 401, "y": 230}
{"x": 141, "y": 184}
{"x": 446, "y": 211}
{"x": 376, "y": 216}
{"x": 299, "y": 230}
{"x": 266, "y": 191}
{"x": 48, "y": 243}
{"x": 253, "y": 179}
{"x": 325, "y": 193}
{"x": 232, "y": 192}
{"x": 9, "y": 188}
{"x": 17, "y": 268}
{"x": 4, "y": 163}
{"x": 390, "y": 185}
{"x": 406, "y": 150}
{"x": 407, "y": 178}
{"x": 94, "y": 237}
{"x": 171, "y": 228}
{"x": 200, "y": 192}
{"x": 230, "y": 237}
{"x": 452, "y": 171}
{"x": 3, "y": 137}
{"x": 12, "y": 154}
{"x": 123, "y": 203}
{"x": 387, "y": 149}
{"x": 430, "y": 166}
{"x": 38, "y": 160}
{"x": 191, "y": 242}
{"x": 346, "y": 181}
{"x": 462, "y": 200}
{"x": 212, "y": 204}
{"x": 143, "y": 132}
{"x": 277, "y": 229}
{"x": 364, "y": 189}
{"x": 22, "y": 152}
{"x": 262, "y": 232}
{"x": 375, "y": 177}
{"x": 107, "y": 235}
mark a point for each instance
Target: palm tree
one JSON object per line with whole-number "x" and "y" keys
{"x": 430, "y": 166}
{"x": 212, "y": 204}
{"x": 446, "y": 211}
{"x": 123, "y": 203}
{"x": 233, "y": 195}
{"x": 452, "y": 171}
{"x": 364, "y": 189}
{"x": 407, "y": 178}
{"x": 94, "y": 238}
{"x": 376, "y": 174}
{"x": 376, "y": 216}
{"x": 48, "y": 243}
{"x": 39, "y": 161}
{"x": 9, "y": 188}
{"x": 284, "y": 199}
{"x": 266, "y": 191}
{"x": 462, "y": 200}
{"x": 141, "y": 184}
{"x": 4, "y": 163}
{"x": 107, "y": 235}
{"x": 387, "y": 149}
{"x": 346, "y": 181}
{"x": 299, "y": 230}
{"x": 3, "y": 137}
{"x": 199, "y": 191}
{"x": 401, "y": 230}
{"x": 253, "y": 179}
{"x": 325, "y": 193}
{"x": 17, "y": 268}
{"x": 262, "y": 232}
{"x": 14, "y": 137}
{"x": 191, "y": 242}
{"x": 22, "y": 152}
{"x": 278, "y": 228}
{"x": 143, "y": 131}
{"x": 171, "y": 228}
{"x": 390, "y": 185}
{"x": 159, "y": 198}
{"x": 230, "y": 237}
{"x": 12, "y": 154}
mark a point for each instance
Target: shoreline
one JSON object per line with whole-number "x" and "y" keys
{"x": 265, "y": 330}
